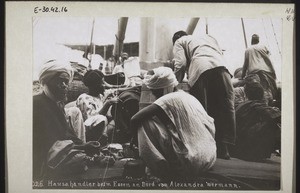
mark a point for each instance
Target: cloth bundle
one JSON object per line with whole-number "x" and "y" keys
{"x": 63, "y": 158}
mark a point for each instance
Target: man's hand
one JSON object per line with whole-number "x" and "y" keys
{"x": 92, "y": 147}
{"x": 113, "y": 100}
{"x": 92, "y": 144}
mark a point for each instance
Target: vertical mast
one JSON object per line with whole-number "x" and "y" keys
{"x": 91, "y": 43}
{"x": 120, "y": 36}
{"x": 192, "y": 25}
{"x": 244, "y": 32}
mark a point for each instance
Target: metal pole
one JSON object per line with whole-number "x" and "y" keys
{"x": 91, "y": 42}
{"x": 104, "y": 54}
{"x": 244, "y": 32}
{"x": 120, "y": 36}
{"x": 147, "y": 42}
{"x": 192, "y": 25}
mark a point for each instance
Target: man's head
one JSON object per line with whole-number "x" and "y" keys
{"x": 238, "y": 73}
{"x": 94, "y": 80}
{"x": 178, "y": 35}
{"x": 55, "y": 75}
{"x": 254, "y": 91}
{"x": 255, "y": 39}
{"x": 161, "y": 81}
{"x": 124, "y": 56}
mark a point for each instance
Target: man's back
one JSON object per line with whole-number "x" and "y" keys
{"x": 186, "y": 111}
{"x": 257, "y": 57}
{"x": 198, "y": 54}
{"x": 199, "y": 46}
{"x": 193, "y": 128}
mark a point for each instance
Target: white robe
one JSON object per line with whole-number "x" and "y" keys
{"x": 198, "y": 54}
{"x": 187, "y": 145}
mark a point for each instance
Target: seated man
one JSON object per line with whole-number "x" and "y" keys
{"x": 95, "y": 106}
{"x": 237, "y": 80}
{"x": 258, "y": 126}
{"x": 50, "y": 121}
{"x": 175, "y": 134}
{"x": 239, "y": 92}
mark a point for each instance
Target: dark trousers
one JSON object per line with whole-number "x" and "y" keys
{"x": 214, "y": 90}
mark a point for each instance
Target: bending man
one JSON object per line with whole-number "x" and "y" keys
{"x": 209, "y": 81}
{"x": 175, "y": 134}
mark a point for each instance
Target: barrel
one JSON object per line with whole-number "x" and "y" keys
{"x": 148, "y": 98}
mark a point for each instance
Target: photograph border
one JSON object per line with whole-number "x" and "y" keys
{"x": 19, "y": 63}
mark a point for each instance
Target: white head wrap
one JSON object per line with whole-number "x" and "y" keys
{"x": 52, "y": 67}
{"x": 163, "y": 77}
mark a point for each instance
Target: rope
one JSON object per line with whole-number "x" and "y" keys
{"x": 112, "y": 138}
{"x": 275, "y": 36}
{"x": 265, "y": 32}
{"x": 206, "y": 25}
{"x": 115, "y": 114}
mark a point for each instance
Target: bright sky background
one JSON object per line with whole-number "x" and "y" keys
{"x": 50, "y": 33}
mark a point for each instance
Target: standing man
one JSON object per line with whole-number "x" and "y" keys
{"x": 209, "y": 81}
{"x": 257, "y": 61}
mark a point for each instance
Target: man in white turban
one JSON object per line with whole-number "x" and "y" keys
{"x": 50, "y": 120}
{"x": 161, "y": 78}
{"x": 175, "y": 134}
{"x": 55, "y": 69}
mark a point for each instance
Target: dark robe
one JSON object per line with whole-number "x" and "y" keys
{"x": 49, "y": 125}
{"x": 215, "y": 92}
{"x": 123, "y": 111}
{"x": 258, "y": 130}
{"x": 268, "y": 82}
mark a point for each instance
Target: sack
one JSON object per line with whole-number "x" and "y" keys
{"x": 64, "y": 159}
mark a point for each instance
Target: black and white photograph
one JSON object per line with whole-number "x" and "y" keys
{"x": 158, "y": 102}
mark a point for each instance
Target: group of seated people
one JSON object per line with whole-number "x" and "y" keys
{"x": 87, "y": 124}
{"x": 258, "y": 117}
{"x": 175, "y": 136}
{"x": 59, "y": 133}
{"x": 180, "y": 134}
